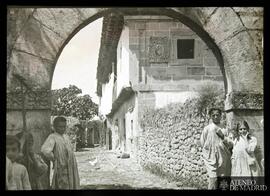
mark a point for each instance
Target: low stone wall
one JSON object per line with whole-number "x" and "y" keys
{"x": 170, "y": 144}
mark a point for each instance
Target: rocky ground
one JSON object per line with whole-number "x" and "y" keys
{"x": 101, "y": 169}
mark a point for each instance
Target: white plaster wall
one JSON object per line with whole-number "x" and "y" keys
{"x": 164, "y": 98}
{"x": 123, "y": 61}
{"x": 106, "y": 99}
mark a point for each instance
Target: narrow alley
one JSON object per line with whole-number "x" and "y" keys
{"x": 101, "y": 169}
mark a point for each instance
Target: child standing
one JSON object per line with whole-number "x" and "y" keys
{"x": 19, "y": 174}
{"x": 216, "y": 153}
{"x": 57, "y": 148}
{"x": 9, "y": 177}
{"x": 33, "y": 162}
{"x": 244, "y": 162}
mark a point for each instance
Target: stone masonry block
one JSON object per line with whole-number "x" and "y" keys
{"x": 176, "y": 64}
{"x": 60, "y": 20}
{"x": 210, "y": 61}
{"x": 161, "y": 33}
{"x": 136, "y": 53}
{"x": 134, "y": 40}
{"x": 195, "y": 70}
{"x": 40, "y": 68}
{"x": 14, "y": 26}
{"x": 148, "y": 95}
{"x": 180, "y": 25}
{"x": 152, "y": 26}
{"x": 164, "y": 77}
{"x": 173, "y": 24}
{"x": 213, "y": 71}
{"x": 149, "y": 33}
{"x": 181, "y": 32}
{"x": 133, "y": 47}
{"x": 257, "y": 37}
{"x": 156, "y": 71}
{"x": 140, "y": 25}
{"x": 159, "y": 64}
{"x": 177, "y": 71}
{"x": 248, "y": 10}
{"x": 207, "y": 52}
{"x": 219, "y": 78}
{"x": 244, "y": 61}
{"x": 252, "y": 17}
{"x": 194, "y": 64}
{"x": 39, "y": 41}
{"x": 176, "y": 77}
{"x": 208, "y": 77}
{"x": 133, "y": 33}
{"x": 165, "y": 25}
{"x": 223, "y": 23}
{"x": 194, "y": 77}
{"x": 252, "y": 22}
{"x": 86, "y": 13}
{"x": 215, "y": 78}
{"x": 131, "y": 25}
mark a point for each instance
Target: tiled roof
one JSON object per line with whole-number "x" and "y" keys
{"x": 125, "y": 94}
{"x": 111, "y": 31}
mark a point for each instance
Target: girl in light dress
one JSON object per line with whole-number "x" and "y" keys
{"x": 244, "y": 162}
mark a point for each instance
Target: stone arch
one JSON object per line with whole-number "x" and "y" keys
{"x": 204, "y": 21}
{"x": 38, "y": 35}
{"x": 73, "y": 28}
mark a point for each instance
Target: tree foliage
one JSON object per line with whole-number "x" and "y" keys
{"x": 69, "y": 102}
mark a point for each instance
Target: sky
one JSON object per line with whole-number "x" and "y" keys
{"x": 77, "y": 64}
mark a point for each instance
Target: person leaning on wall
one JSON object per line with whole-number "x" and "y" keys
{"x": 216, "y": 152}
{"x": 33, "y": 161}
{"x": 246, "y": 157}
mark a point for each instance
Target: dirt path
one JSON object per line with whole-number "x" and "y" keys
{"x": 111, "y": 172}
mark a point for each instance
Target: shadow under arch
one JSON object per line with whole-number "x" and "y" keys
{"x": 185, "y": 18}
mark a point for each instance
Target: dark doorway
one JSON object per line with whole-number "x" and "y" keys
{"x": 110, "y": 139}
{"x": 124, "y": 132}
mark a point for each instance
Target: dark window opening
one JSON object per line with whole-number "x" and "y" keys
{"x": 185, "y": 48}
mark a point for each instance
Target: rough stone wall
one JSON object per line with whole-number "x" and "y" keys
{"x": 170, "y": 144}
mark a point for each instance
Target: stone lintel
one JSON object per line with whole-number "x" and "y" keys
{"x": 32, "y": 99}
{"x": 243, "y": 101}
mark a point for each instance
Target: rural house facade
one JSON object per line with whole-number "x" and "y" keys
{"x": 157, "y": 61}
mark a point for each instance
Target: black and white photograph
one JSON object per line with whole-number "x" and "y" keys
{"x": 135, "y": 98}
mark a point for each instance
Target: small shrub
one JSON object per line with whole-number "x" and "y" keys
{"x": 210, "y": 94}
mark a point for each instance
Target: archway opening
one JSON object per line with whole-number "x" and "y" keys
{"x": 158, "y": 60}
{"x": 197, "y": 68}
{"x": 74, "y": 96}
{"x": 156, "y": 12}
